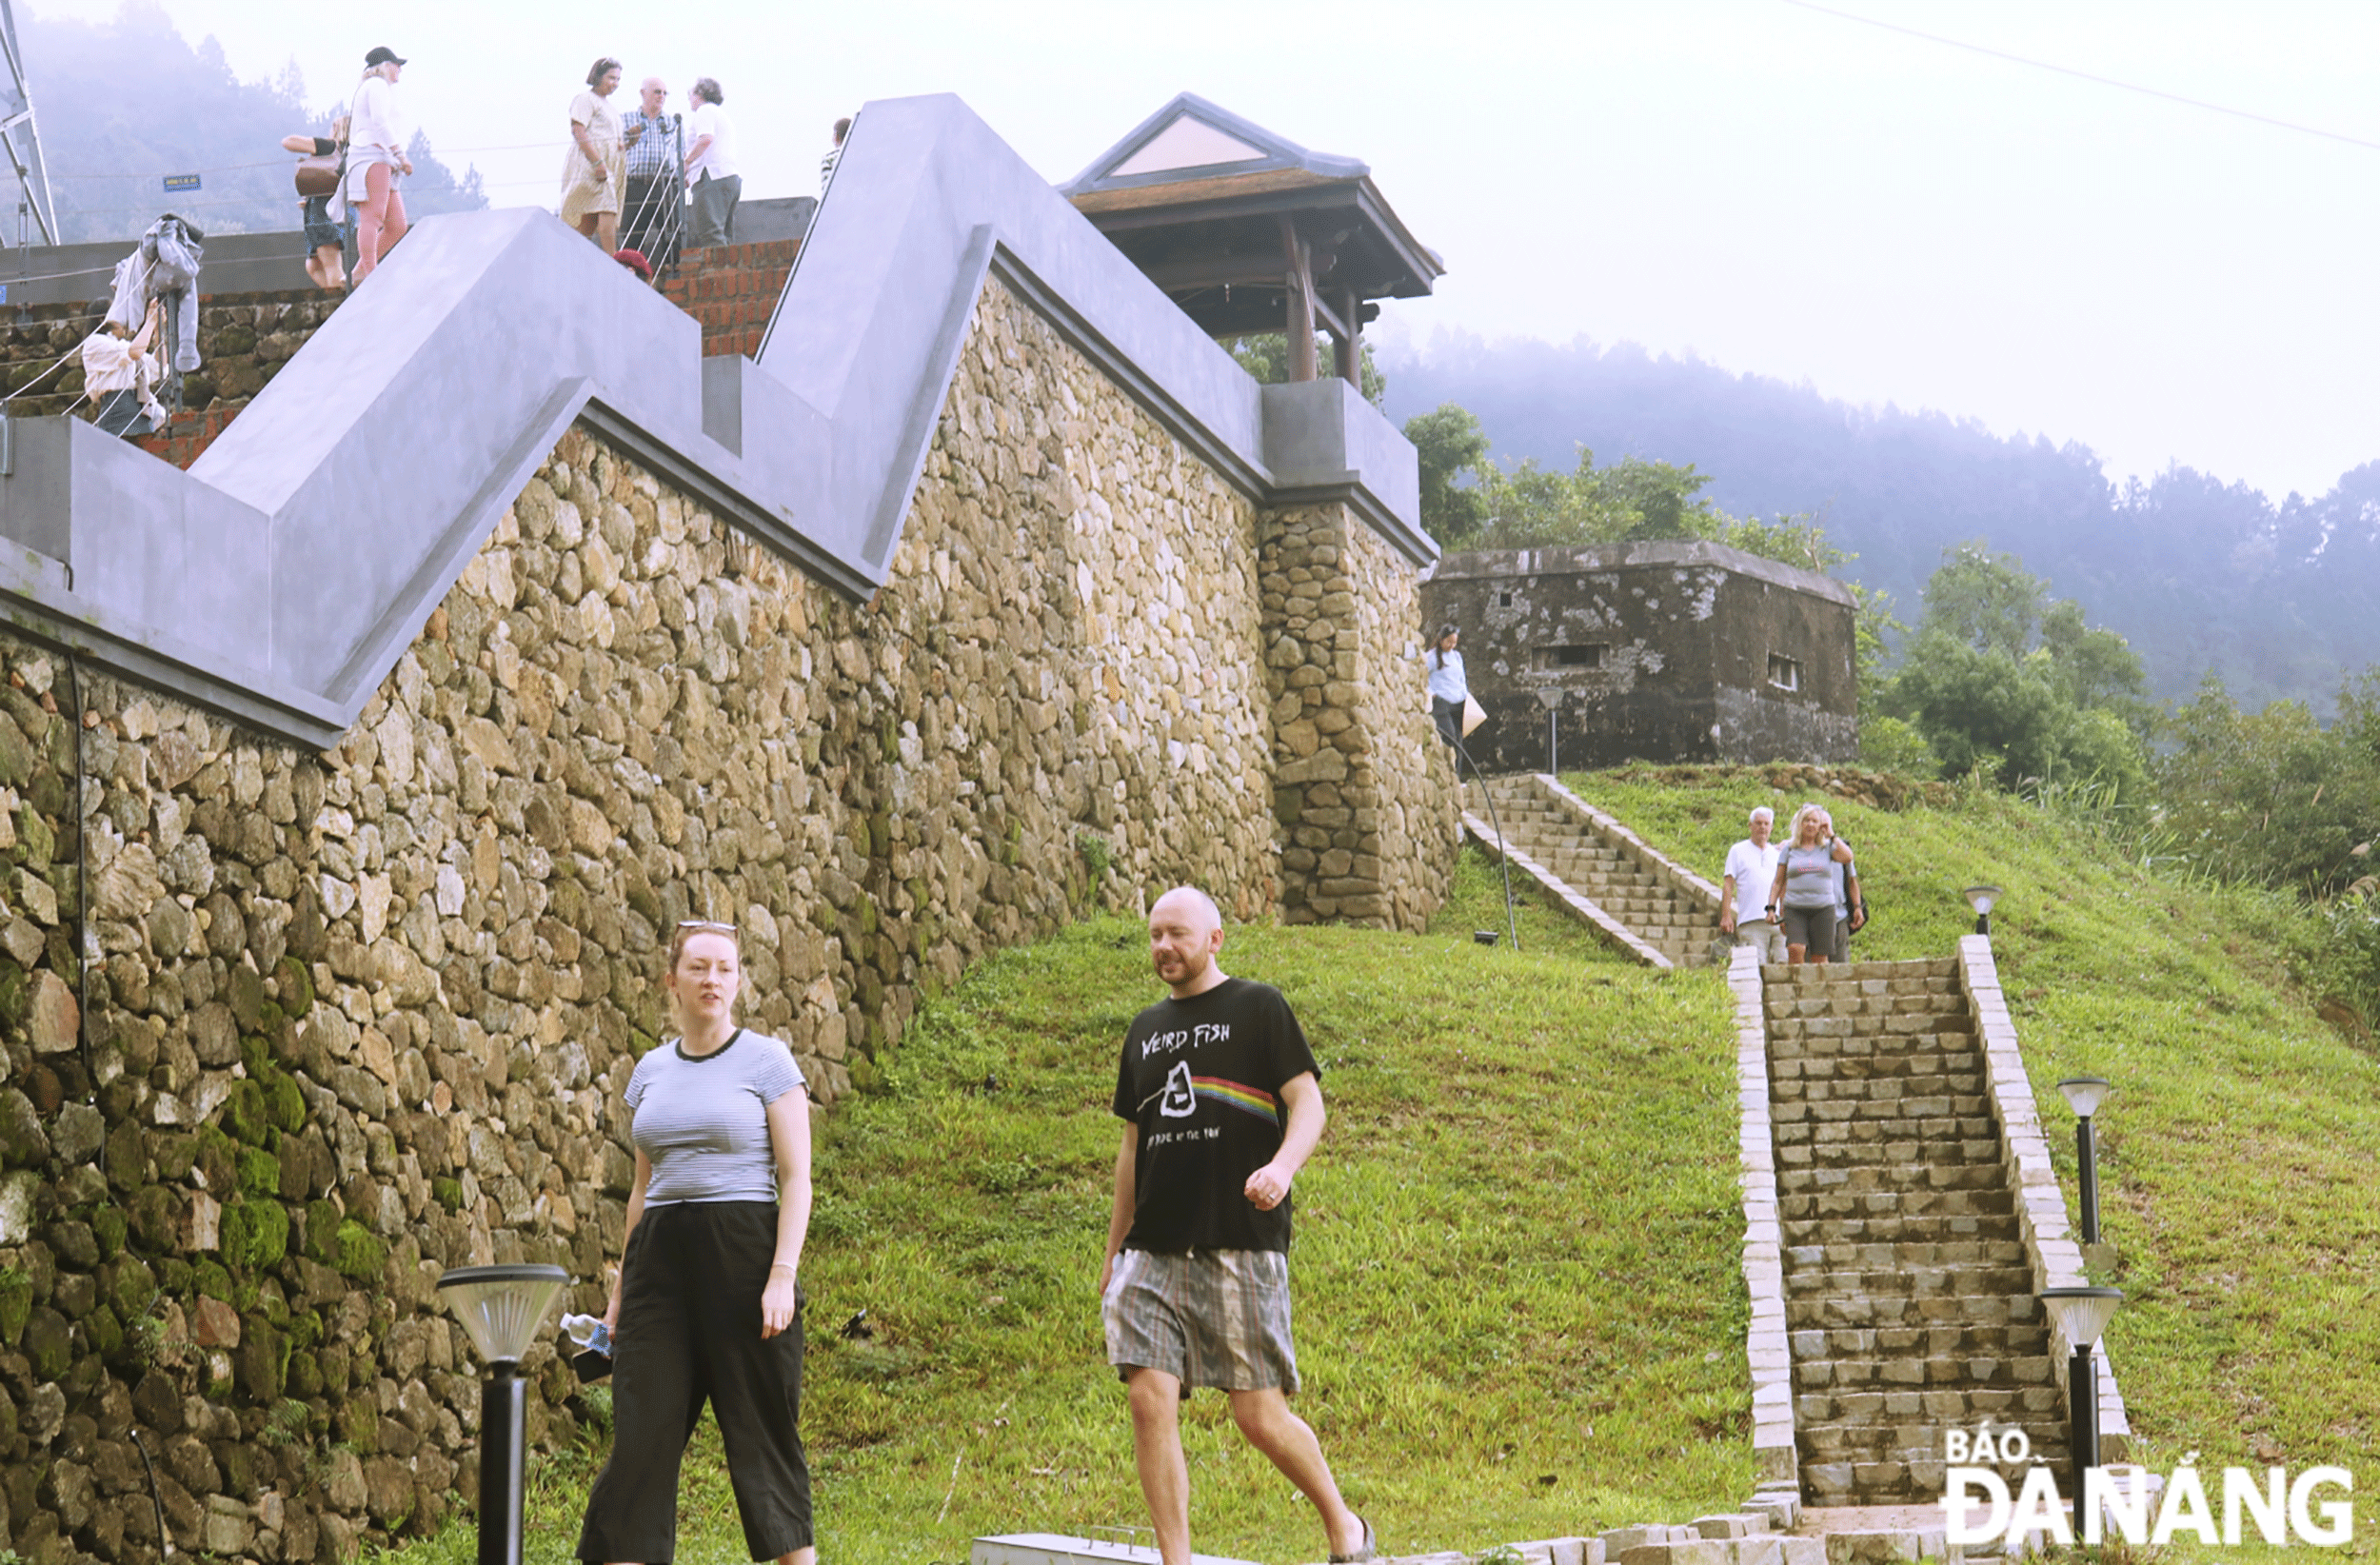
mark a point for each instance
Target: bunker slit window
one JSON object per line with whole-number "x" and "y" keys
{"x": 1503, "y": 599}
{"x": 1784, "y": 673}
{"x": 1588, "y": 655}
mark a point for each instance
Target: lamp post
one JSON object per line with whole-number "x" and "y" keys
{"x": 500, "y": 1308}
{"x": 2084, "y": 1094}
{"x": 2080, "y": 1315}
{"x": 1550, "y": 699}
{"x": 1980, "y": 897}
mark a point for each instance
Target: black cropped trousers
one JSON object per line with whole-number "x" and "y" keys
{"x": 689, "y": 1333}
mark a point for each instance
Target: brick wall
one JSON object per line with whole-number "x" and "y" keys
{"x": 731, "y": 289}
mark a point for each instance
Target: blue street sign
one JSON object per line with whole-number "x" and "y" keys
{"x": 178, "y": 183}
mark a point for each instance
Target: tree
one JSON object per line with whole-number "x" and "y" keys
{"x": 1449, "y": 442}
{"x": 2272, "y": 796}
{"x": 1984, "y": 692}
{"x": 1266, "y": 357}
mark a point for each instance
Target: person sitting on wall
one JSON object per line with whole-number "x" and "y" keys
{"x": 1744, "y": 887}
{"x": 119, "y": 376}
{"x": 1449, "y": 689}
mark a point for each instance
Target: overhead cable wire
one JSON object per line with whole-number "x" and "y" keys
{"x": 2088, "y": 76}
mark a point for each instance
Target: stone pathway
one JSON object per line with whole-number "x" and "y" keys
{"x": 1909, "y": 1295}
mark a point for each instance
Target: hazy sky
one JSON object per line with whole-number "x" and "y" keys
{"x": 1772, "y": 188}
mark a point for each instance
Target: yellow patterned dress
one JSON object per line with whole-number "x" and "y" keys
{"x": 583, "y": 194}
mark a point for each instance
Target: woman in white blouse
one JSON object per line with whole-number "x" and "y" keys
{"x": 377, "y": 133}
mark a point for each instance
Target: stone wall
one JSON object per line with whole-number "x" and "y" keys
{"x": 354, "y": 1017}
{"x": 1362, "y": 790}
{"x": 242, "y": 342}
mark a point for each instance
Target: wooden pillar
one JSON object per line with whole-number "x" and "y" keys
{"x": 1350, "y": 345}
{"x": 1301, "y": 328}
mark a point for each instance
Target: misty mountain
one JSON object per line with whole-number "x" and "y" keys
{"x": 123, "y": 103}
{"x": 2276, "y": 596}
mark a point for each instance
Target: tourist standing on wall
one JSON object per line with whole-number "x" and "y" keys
{"x": 1803, "y": 890}
{"x": 594, "y": 170}
{"x": 712, "y": 170}
{"x": 1222, "y": 1107}
{"x": 834, "y": 155}
{"x": 1449, "y": 689}
{"x": 706, "y": 1304}
{"x": 1744, "y": 890}
{"x": 325, "y": 240}
{"x": 378, "y": 133}
{"x": 655, "y": 220}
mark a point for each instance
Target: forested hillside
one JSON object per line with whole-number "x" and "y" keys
{"x": 2197, "y": 575}
{"x": 124, "y": 102}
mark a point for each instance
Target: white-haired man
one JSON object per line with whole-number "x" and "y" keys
{"x": 1222, "y": 1107}
{"x": 1744, "y": 890}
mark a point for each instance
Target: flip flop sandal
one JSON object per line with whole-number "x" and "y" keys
{"x": 1368, "y": 1549}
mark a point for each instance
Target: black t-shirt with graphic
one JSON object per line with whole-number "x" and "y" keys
{"x": 1203, "y": 1077}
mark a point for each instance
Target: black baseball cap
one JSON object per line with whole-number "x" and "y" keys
{"x": 381, "y": 56}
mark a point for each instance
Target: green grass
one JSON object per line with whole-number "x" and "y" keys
{"x": 2240, "y": 1157}
{"x": 1519, "y": 1306}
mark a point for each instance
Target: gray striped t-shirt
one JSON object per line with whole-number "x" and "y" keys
{"x": 704, "y": 1122}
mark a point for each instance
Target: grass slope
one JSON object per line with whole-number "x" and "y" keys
{"x": 2239, "y": 1157}
{"x": 1527, "y": 1154}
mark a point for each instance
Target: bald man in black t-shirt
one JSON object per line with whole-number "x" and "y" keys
{"x": 1222, "y": 1107}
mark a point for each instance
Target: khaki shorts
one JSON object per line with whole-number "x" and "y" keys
{"x": 1208, "y": 1317}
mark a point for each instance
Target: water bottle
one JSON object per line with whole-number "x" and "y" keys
{"x": 593, "y": 1360}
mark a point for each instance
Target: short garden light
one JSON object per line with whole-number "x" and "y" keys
{"x": 500, "y": 1308}
{"x": 2080, "y": 1315}
{"x": 1980, "y": 897}
{"x": 2084, "y": 1094}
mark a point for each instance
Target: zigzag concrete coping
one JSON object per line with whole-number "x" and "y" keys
{"x": 281, "y": 578}
{"x": 1767, "y": 1346}
{"x": 1628, "y": 841}
{"x": 1569, "y": 900}
{"x": 2050, "y": 1248}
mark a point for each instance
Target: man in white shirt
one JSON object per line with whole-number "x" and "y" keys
{"x": 711, "y": 170}
{"x": 1744, "y": 890}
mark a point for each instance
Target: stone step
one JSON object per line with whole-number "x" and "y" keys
{"x": 1859, "y": 1059}
{"x": 2000, "y": 1378}
{"x": 1835, "y": 1310}
{"x": 1891, "y": 1233}
{"x": 1940, "y": 1407}
{"x": 1911, "y": 1281}
{"x": 1908, "y": 1151}
{"x": 1835, "y": 1204}
{"x": 1860, "y": 972}
{"x": 1877, "y": 1177}
{"x": 1919, "y": 1343}
{"x": 1962, "y": 1090}
{"x": 1834, "y": 1119}
{"x": 1867, "y": 999}
{"x": 1917, "y": 1441}
{"x": 1836, "y": 1258}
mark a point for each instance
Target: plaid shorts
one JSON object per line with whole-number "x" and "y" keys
{"x": 1208, "y": 1317}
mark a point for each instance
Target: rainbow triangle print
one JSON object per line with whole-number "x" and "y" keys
{"x": 1233, "y": 1095}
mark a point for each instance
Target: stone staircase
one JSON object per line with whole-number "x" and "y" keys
{"x": 1648, "y": 904}
{"x": 1909, "y": 1295}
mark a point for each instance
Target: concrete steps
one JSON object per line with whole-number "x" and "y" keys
{"x": 1587, "y": 856}
{"x": 1909, "y": 1296}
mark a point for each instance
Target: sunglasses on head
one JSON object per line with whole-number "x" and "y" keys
{"x": 712, "y": 925}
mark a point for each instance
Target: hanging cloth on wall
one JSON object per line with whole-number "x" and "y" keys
{"x": 173, "y": 248}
